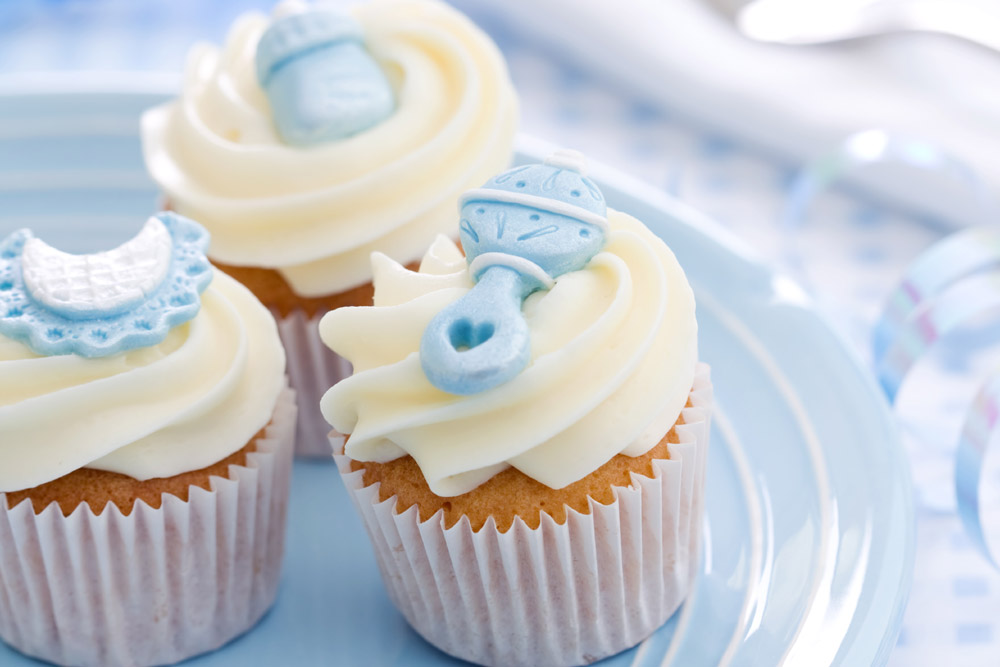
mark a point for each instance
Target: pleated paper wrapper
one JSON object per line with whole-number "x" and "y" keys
{"x": 157, "y": 586}
{"x": 312, "y": 368}
{"x": 560, "y": 594}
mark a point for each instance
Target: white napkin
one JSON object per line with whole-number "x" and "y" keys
{"x": 796, "y": 102}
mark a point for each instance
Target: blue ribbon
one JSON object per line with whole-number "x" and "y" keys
{"x": 981, "y": 424}
{"x": 955, "y": 281}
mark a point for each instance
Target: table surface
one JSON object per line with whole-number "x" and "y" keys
{"x": 855, "y": 250}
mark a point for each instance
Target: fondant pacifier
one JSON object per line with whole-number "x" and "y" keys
{"x": 322, "y": 83}
{"x": 108, "y": 302}
{"x": 520, "y": 231}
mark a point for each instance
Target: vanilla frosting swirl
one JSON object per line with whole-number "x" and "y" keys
{"x": 315, "y": 214}
{"x": 181, "y": 405}
{"x": 613, "y": 356}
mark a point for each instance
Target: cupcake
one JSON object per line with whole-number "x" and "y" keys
{"x": 526, "y": 425}
{"x": 146, "y": 441}
{"x": 312, "y": 139}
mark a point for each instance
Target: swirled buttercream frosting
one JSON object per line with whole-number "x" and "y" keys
{"x": 316, "y": 212}
{"x": 613, "y": 350}
{"x": 183, "y": 403}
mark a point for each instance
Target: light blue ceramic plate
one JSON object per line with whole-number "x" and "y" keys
{"x": 809, "y": 530}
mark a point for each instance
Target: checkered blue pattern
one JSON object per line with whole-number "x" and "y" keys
{"x": 851, "y": 252}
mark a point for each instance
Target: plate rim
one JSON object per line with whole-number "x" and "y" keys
{"x": 633, "y": 188}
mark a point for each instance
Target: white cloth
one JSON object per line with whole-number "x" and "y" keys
{"x": 795, "y": 101}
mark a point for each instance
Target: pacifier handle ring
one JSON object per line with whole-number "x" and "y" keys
{"x": 521, "y": 265}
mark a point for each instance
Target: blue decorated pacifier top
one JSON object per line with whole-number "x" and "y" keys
{"x": 322, "y": 83}
{"x": 105, "y": 303}
{"x": 519, "y": 231}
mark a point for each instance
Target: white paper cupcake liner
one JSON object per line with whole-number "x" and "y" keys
{"x": 157, "y": 586}
{"x": 312, "y": 369}
{"x": 561, "y": 594}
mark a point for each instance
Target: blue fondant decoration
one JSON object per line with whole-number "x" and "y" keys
{"x": 322, "y": 83}
{"x": 519, "y": 231}
{"x": 51, "y": 331}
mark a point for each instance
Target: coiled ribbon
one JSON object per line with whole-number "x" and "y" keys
{"x": 952, "y": 283}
